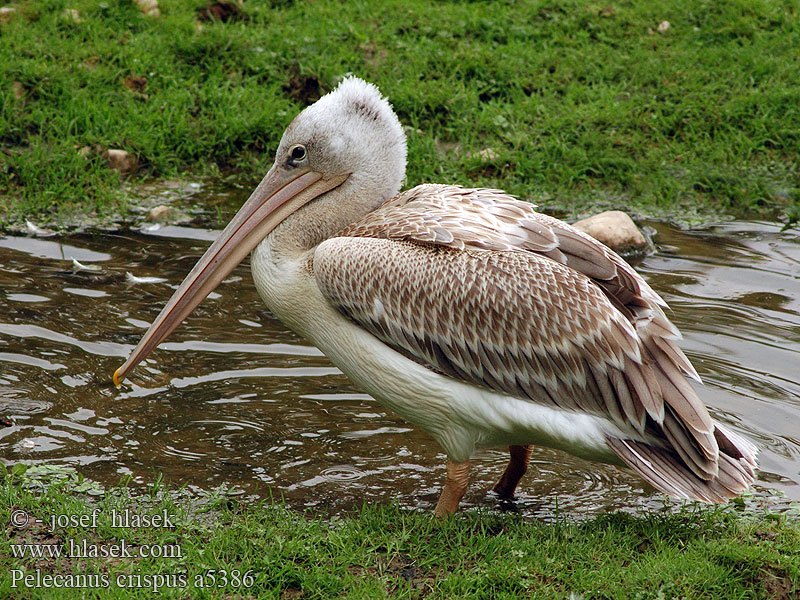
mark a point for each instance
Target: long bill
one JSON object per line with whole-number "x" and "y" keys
{"x": 279, "y": 194}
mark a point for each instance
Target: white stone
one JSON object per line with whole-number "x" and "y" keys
{"x": 149, "y": 7}
{"x": 7, "y": 13}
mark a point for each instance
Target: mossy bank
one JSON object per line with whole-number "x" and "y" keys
{"x": 178, "y": 545}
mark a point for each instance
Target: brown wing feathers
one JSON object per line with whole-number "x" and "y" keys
{"x": 550, "y": 314}
{"x": 479, "y": 319}
{"x": 481, "y": 322}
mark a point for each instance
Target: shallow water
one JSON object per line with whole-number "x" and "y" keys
{"x": 234, "y": 398}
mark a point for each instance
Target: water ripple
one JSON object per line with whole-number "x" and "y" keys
{"x": 236, "y": 398}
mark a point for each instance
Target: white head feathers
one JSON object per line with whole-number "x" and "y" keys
{"x": 354, "y": 130}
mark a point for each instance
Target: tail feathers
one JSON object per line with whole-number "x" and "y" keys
{"x": 735, "y": 445}
{"x": 664, "y": 469}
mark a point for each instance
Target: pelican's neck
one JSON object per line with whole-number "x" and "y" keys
{"x": 320, "y": 219}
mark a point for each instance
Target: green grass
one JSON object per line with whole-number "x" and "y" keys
{"x": 384, "y": 551}
{"x": 584, "y": 104}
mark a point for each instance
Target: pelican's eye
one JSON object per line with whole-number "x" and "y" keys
{"x": 297, "y": 153}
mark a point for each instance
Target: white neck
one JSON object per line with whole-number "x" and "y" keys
{"x": 321, "y": 218}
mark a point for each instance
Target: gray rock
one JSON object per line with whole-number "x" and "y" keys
{"x": 120, "y": 160}
{"x": 615, "y": 229}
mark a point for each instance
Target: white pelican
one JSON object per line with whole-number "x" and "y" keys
{"x": 465, "y": 311}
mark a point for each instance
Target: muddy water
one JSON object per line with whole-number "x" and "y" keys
{"x": 234, "y": 398}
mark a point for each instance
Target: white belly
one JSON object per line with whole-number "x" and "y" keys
{"x": 460, "y": 416}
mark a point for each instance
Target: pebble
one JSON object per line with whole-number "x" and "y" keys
{"x": 71, "y": 14}
{"x": 149, "y": 7}
{"x": 7, "y": 13}
{"x": 162, "y": 214}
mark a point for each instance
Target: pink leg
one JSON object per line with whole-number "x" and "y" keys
{"x": 454, "y": 488}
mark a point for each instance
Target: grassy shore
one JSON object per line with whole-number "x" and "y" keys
{"x": 268, "y": 551}
{"x": 661, "y": 107}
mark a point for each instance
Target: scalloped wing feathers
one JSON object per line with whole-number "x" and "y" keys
{"x": 477, "y": 285}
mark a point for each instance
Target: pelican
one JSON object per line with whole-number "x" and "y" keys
{"x": 465, "y": 311}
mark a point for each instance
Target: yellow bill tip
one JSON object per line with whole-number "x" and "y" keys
{"x": 116, "y": 378}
